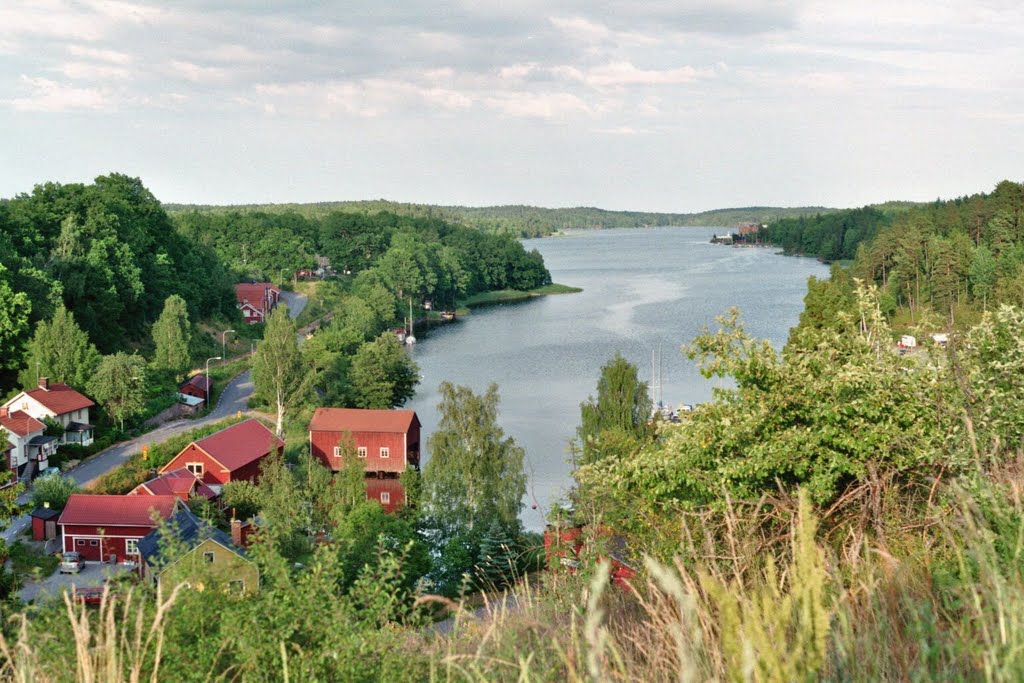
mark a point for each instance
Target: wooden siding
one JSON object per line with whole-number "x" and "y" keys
{"x": 322, "y": 447}
{"x": 226, "y": 566}
{"x": 113, "y": 540}
{"x": 377, "y": 486}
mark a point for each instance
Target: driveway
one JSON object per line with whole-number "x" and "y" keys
{"x": 296, "y": 302}
{"x": 92, "y": 574}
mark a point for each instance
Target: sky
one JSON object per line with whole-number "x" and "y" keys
{"x": 654, "y": 105}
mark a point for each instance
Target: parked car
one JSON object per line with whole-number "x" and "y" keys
{"x": 71, "y": 562}
{"x": 49, "y": 471}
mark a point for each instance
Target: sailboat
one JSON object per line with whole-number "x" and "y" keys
{"x": 409, "y": 338}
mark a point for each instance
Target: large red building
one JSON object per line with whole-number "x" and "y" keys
{"x": 232, "y": 454}
{"x": 256, "y": 300}
{"x": 387, "y": 441}
{"x": 102, "y": 528}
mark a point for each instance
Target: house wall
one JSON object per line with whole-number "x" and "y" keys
{"x": 196, "y": 570}
{"x": 86, "y": 539}
{"x": 213, "y": 471}
{"x": 190, "y": 390}
{"x": 322, "y": 447}
{"x": 37, "y": 410}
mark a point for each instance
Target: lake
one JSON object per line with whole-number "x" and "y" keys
{"x": 643, "y": 290}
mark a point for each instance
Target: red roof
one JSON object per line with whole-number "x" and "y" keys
{"x": 106, "y": 511}
{"x": 60, "y": 398}
{"x": 21, "y": 423}
{"x": 197, "y": 381}
{"x": 360, "y": 420}
{"x": 180, "y": 483}
{"x": 240, "y": 444}
{"x": 253, "y": 292}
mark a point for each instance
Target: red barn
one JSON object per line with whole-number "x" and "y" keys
{"x": 256, "y": 299}
{"x": 105, "y": 527}
{"x": 196, "y": 385}
{"x": 388, "y": 441}
{"x": 232, "y": 454}
{"x": 388, "y": 491}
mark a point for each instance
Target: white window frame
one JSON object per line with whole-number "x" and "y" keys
{"x": 196, "y": 468}
{"x": 209, "y": 557}
{"x": 385, "y": 497}
{"x": 131, "y": 546}
{"x": 361, "y": 451}
{"x": 385, "y": 452}
{"x": 337, "y": 451}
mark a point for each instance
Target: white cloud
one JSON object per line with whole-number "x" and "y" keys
{"x": 91, "y": 71}
{"x": 198, "y": 73}
{"x": 51, "y": 96}
{"x": 538, "y": 105}
{"x": 101, "y": 55}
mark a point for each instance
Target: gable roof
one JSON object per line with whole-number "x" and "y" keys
{"x": 60, "y": 398}
{"x": 240, "y": 444}
{"x": 96, "y": 510}
{"x": 362, "y": 420}
{"x": 20, "y": 423}
{"x": 188, "y": 530}
{"x": 179, "y": 482}
{"x": 199, "y": 381}
{"x": 253, "y": 292}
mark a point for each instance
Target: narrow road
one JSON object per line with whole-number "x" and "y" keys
{"x": 233, "y": 399}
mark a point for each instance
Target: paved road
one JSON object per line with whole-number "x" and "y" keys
{"x": 234, "y": 399}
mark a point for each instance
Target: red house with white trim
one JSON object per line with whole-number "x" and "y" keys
{"x": 232, "y": 454}
{"x": 256, "y": 300}
{"x": 180, "y": 483}
{"x": 196, "y": 385}
{"x": 105, "y": 527}
{"x": 388, "y": 441}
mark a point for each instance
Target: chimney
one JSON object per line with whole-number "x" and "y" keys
{"x": 44, "y": 383}
{"x": 5, "y": 413}
{"x": 236, "y": 532}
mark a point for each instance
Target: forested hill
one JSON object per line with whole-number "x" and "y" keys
{"x": 523, "y": 221}
{"x": 952, "y": 258}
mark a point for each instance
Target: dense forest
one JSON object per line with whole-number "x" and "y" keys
{"x": 953, "y": 259}
{"x": 522, "y": 221}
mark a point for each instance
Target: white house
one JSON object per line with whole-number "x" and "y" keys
{"x": 30, "y": 450}
{"x": 58, "y": 402}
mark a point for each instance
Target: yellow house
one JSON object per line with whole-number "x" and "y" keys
{"x": 188, "y": 550}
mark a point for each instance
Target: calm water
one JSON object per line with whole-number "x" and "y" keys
{"x": 643, "y": 290}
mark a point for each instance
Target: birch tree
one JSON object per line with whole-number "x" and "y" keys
{"x": 280, "y": 376}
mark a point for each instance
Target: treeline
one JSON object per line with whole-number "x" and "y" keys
{"x": 428, "y": 259}
{"x": 519, "y": 220}
{"x": 830, "y": 237}
{"x": 106, "y": 251}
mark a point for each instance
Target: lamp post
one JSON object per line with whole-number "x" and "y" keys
{"x": 223, "y": 343}
{"x": 208, "y": 380}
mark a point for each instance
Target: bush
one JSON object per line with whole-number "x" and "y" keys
{"x": 53, "y": 489}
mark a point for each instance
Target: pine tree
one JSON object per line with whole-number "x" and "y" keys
{"x": 172, "y": 333}
{"x": 496, "y": 566}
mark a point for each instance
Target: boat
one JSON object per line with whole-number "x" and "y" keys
{"x": 447, "y": 315}
{"x": 410, "y": 339}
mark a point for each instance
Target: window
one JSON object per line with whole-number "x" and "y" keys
{"x": 385, "y": 452}
{"x": 385, "y": 497}
{"x": 337, "y": 451}
{"x": 93, "y": 542}
{"x": 208, "y": 557}
{"x": 361, "y": 451}
{"x": 131, "y": 546}
{"x": 195, "y": 468}
{"x": 79, "y": 541}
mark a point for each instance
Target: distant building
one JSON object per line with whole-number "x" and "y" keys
{"x": 180, "y": 483}
{"x": 29, "y": 449}
{"x": 232, "y": 454}
{"x": 198, "y": 386}
{"x": 256, "y": 300}
{"x": 60, "y": 403}
{"x": 109, "y": 528}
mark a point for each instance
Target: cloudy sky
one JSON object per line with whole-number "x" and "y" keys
{"x": 670, "y": 105}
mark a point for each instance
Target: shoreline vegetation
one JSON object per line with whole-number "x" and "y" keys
{"x": 503, "y": 296}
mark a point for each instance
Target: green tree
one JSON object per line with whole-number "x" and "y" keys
{"x": 382, "y": 374}
{"x": 622, "y": 406}
{"x": 497, "y": 565}
{"x": 53, "y": 489}
{"x": 118, "y": 385}
{"x": 172, "y": 334}
{"x": 475, "y": 473}
{"x": 367, "y": 533}
{"x": 279, "y": 373}
{"x": 60, "y": 350}
{"x": 14, "y": 311}
{"x": 983, "y": 274}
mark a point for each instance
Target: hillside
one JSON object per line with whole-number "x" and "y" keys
{"x": 523, "y": 221}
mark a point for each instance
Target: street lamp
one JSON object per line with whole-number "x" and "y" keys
{"x": 223, "y": 343}
{"x": 208, "y": 380}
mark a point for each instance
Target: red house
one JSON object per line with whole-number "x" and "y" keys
{"x": 566, "y": 545}
{"x": 102, "y": 528}
{"x": 232, "y": 454}
{"x": 388, "y": 441}
{"x": 256, "y": 299}
{"x": 180, "y": 483}
{"x": 196, "y": 385}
